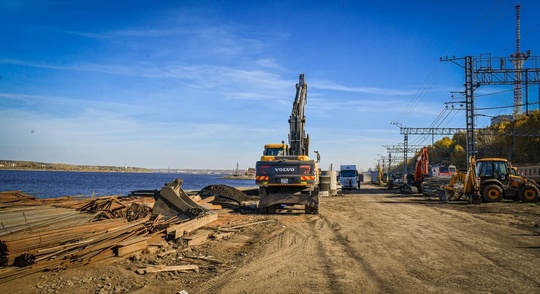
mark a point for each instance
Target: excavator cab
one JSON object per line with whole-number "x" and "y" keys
{"x": 493, "y": 168}
{"x": 272, "y": 150}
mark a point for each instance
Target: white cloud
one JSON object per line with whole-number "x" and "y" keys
{"x": 332, "y": 86}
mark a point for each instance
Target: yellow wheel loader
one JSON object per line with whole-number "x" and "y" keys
{"x": 491, "y": 180}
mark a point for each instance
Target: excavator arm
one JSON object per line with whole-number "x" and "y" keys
{"x": 298, "y": 140}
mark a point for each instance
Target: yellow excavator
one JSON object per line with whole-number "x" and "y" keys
{"x": 491, "y": 180}
{"x": 285, "y": 174}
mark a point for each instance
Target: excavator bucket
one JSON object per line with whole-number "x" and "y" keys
{"x": 172, "y": 200}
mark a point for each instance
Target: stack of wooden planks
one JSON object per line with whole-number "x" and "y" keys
{"x": 38, "y": 235}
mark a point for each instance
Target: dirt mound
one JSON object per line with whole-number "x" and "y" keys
{"x": 224, "y": 190}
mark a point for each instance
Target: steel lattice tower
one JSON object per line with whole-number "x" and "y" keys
{"x": 518, "y": 59}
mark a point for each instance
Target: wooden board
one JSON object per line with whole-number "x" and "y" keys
{"x": 197, "y": 239}
{"x": 169, "y": 268}
{"x": 175, "y": 232}
{"x": 132, "y": 245}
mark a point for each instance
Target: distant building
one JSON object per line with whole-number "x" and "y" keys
{"x": 500, "y": 118}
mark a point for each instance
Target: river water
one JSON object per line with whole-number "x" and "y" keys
{"x": 48, "y": 184}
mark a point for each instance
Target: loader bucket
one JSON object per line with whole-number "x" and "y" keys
{"x": 172, "y": 200}
{"x": 449, "y": 194}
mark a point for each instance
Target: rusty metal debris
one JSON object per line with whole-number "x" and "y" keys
{"x": 113, "y": 207}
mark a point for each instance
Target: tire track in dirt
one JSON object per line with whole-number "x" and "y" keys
{"x": 354, "y": 268}
{"x": 361, "y": 240}
{"x": 234, "y": 275}
{"x": 309, "y": 253}
{"x": 274, "y": 258}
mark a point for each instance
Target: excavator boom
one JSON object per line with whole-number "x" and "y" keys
{"x": 298, "y": 140}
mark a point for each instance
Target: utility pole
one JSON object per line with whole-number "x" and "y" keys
{"x": 470, "y": 86}
{"x": 469, "y": 109}
{"x": 405, "y": 147}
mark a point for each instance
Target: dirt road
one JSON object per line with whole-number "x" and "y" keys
{"x": 373, "y": 241}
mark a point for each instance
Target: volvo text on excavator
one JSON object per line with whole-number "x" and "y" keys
{"x": 285, "y": 174}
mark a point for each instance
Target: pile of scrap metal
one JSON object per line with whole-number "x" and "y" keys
{"x": 42, "y": 234}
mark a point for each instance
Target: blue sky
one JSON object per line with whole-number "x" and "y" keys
{"x": 205, "y": 84}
